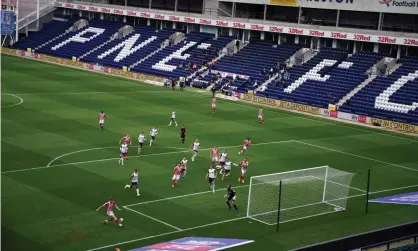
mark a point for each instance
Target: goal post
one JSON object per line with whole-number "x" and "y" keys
{"x": 304, "y": 193}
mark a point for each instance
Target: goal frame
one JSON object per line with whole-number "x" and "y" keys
{"x": 323, "y": 198}
{"x": 271, "y": 174}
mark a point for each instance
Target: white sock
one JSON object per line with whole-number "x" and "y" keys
{"x": 170, "y": 123}
{"x": 137, "y": 191}
{"x": 176, "y": 123}
{"x": 121, "y": 161}
{"x": 127, "y": 186}
{"x": 150, "y": 142}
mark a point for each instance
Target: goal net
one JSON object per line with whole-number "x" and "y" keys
{"x": 304, "y": 193}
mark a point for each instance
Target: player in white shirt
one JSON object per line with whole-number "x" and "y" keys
{"x": 184, "y": 162}
{"x": 211, "y": 176}
{"x": 173, "y": 118}
{"x": 123, "y": 153}
{"x": 227, "y": 168}
{"x": 153, "y": 133}
{"x": 141, "y": 141}
{"x": 222, "y": 161}
{"x": 195, "y": 146}
{"x": 134, "y": 181}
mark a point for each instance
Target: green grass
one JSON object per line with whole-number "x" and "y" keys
{"x": 54, "y": 208}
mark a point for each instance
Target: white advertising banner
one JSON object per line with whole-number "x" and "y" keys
{"x": 389, "y": 6}
{"x": 360, "y": 36}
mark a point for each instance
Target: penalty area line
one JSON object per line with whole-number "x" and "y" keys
{"x": 152, "y": 218}
{"x": 179, "y": 196}
{"x": 136, "y": 156}
{"x": 355, "y": 155}
{"x": 100, "y": 148}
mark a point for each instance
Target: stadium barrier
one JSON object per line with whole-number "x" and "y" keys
{"x": 397, "y": 126}
{"x": 281, "y": 104}
{"x": 250, "y": 97}
{"x": 391, "y": 125}
{"x": 378, "y": 240}
{"x": 233, "y": 97}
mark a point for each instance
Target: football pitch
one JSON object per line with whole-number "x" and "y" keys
{"x": 58, "y": 167}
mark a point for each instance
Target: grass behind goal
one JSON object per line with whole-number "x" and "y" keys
{"x": 53, "y": 209}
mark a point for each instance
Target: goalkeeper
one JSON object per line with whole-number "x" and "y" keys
{"x": 231, "y": 197}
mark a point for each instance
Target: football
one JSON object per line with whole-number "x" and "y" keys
{"x": 121, "y": 219}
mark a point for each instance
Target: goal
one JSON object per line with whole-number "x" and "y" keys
{"x": 298, "y": 194}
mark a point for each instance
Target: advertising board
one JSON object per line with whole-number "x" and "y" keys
{"x": 280, "y": 103}
{"x": 397, "y": 126}
{"x": 8, "y": 22}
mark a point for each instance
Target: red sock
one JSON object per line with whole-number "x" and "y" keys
{"x": 117, "y": 221}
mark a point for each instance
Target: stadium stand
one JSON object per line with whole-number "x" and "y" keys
{"x": 50, "y": 31}
{"x": 329, "y": 76}
{"x": 128, "y": 50}
{"x": 256, "y": 57}
{"x": 390, "y": 97}
{"x": 91, "y": 36}
{"x": 324, "y": 79}
{"x": 179, "y": 60}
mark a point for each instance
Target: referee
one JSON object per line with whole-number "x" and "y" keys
{"x": 182, "y": 134}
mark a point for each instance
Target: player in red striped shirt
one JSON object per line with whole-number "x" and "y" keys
{"x": 101, "y": 117}
{"x": 245, "y": 144}
{"x": 125, "y": 139}
{"x": 244, "y": 166}
{"x": 176, "y": 174}
{"x": 214, "y": 154}
{"x": 109, "y": 210}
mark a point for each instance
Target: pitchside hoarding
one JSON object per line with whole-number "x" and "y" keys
{"x": 195, "y": 244}
{"x": 406, "y": 198}
{"x": 389, "y": 6}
